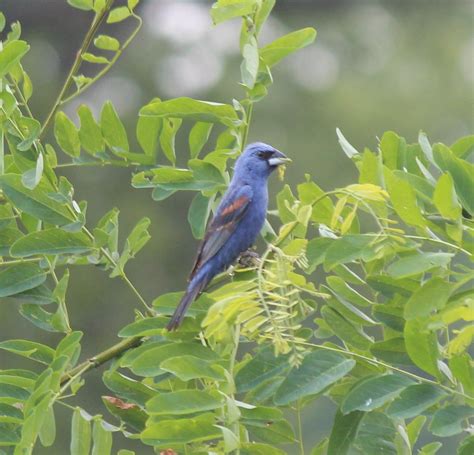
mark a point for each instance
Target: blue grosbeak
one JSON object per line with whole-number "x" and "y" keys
{"x": 237, "y": 222}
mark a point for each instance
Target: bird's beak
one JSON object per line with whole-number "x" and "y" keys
{"x": 278, "y": 158}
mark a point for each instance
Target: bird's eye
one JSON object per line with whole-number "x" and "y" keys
{"x": 264, "y": 154}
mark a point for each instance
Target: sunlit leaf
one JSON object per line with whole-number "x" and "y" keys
{"x": 66, "y": 134}
{"x": 272, "y": 53}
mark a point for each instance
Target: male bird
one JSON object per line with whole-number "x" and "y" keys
{"x": 237, "y": 222}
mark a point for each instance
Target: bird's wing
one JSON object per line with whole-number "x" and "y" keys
{"x": 223, "y": 224}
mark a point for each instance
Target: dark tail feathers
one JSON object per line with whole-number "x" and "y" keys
{"x": 193, "y": 291}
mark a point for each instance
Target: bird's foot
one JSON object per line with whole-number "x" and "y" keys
{"x": 248, "y": 259}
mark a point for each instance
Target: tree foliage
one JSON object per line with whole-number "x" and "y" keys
{"x": 363, "y": 293}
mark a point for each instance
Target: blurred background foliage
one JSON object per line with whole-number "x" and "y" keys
{"x": 376, "y": 65}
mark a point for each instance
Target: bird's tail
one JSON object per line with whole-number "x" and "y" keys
{"x": 196, "y": 286}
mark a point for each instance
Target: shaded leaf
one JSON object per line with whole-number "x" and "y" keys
{"x": 51, "y": 241}
{"x": 20, "y": 277}
{"x": 318, "y": 370}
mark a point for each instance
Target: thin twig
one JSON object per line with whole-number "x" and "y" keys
{"x": 99, "y": 359}
{"x": 97, "y": 21}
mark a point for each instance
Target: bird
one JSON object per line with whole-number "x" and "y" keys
{"x": 236, "y": 223}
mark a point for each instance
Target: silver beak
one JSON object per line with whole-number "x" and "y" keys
{"x": 278, "y": 158}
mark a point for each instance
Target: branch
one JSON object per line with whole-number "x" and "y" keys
{"x": 102, "y": 357}
{"x": 98, "y": 19}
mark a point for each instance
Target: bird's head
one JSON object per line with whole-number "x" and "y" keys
{"x": 259, "y": 160}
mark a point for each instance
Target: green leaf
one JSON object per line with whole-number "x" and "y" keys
{"x": 347, "y": 249}
{"x": 318, "y": 370}
{"x": 198, "y": 137}
{"x": 461, "y": 172}
{"x": 32, "y": 177}
{"x": 389, "y": 286}
{"x": 374, "y": 392}
{"x": 112, "y": 128}
{"x": 346, "y": 146}
{"x": 198, "y": 214}
{"x": 370, "y": 169}
{"x": 195, "y": 429}
{"x": 415, "y": 264}
{"x": 404, "y": 200}
{"x": 144, "y": 327}
{"x": 253, "y": 448}
{"x": 310, "y": 193}
{"x": 187, "y": 367}
{"x": 430, "y": 449}
{"x": 188, "y": 108}
{"x": 90, "y": 133}
{"x": 376, "y": 435}
{"x": 17, "y": 278}
{"x": 91, "y": 58}
{"x": 272, "y": 431}
{"x": 7, "y": 238}
{"x": 11, "y": 54}
{"x": 85, "y": 5}
{"x": 316, "y": 252}
{"x": 118, "y": 14}
{"x": 461, "y": 367}
{"x": 463, "y": 147}
{"x": 414, "y": 400}
{"x": 184, "y": 402}
{"x": 344, "y": 329}
{"x": 107, "y": 43}
{"x": 148, "y": 131}
{"x": 422, "y": 346}
{"x": 128, "y": 388}
{"x": 130, "y": 414}
{"x": 102, "y": 439}
{"x": 35, "y": 351}
{"x": 51, "y": 241}
{"x": 47, "y": 433}
{"x": 148, "y": 363}
{"x": 263, "y": 366}
{"x": 432, "y": 295}
{"x": 392, "y": 351}
{"x": 445, "y": 198}
{"x": 168, "y": 136}
{"x": 414, "y": 429}
{"x": 343, "y": 433}
{"x": 66, "y": 135}
{"x": 449, "y": 421}
{"x": 272, "y": 53}
{"x": 466, "y": 446}
{"x": 344, "y": 290}
{"x": 250, "y": 62}
{"x": 392, "y": 147}
{"x": 223, "y": 10}
{"x": 80, "y": 434}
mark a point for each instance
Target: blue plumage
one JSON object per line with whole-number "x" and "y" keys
{"x": 236, "y": 223}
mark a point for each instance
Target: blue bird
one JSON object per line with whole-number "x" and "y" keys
{"x": 237, "y": 222}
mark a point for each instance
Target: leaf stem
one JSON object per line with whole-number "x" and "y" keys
{"x": 104, "y": 163}
{"x": 96, "y": 22}
{"x": 300, "y": 427}
{"x": 19, "y": 261}
{"x": 233, "y": 357}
